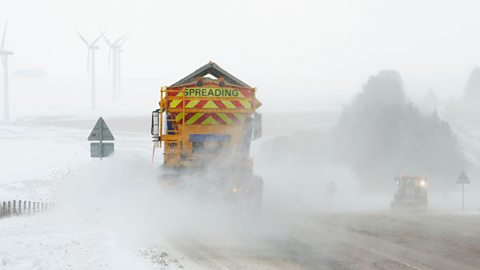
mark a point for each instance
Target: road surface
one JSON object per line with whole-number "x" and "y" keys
{"x": 337, "y": 241}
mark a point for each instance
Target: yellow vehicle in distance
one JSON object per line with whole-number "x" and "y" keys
{"x": 411, "y": 193}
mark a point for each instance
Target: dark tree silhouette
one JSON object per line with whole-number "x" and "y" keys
{"x": 382, "y": 135}
{"x": 472, "y": 89}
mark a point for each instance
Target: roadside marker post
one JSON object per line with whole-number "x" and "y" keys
{"x": 101, "y": 133}
{"x": 463, "y": 179}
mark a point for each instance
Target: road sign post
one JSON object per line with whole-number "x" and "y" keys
{"x": 463, "y": 179}
{"x": 100, "y": 133}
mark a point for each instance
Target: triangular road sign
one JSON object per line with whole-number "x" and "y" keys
{"x": 463, "y": 179}
{"x": 100, "y": 132}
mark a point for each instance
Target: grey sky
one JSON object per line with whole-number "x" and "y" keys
{"x": 324, "y": 49}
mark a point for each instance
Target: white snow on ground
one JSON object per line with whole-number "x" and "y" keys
{"x": 53, "y": 164}
{"x": 46, "y": 241}
{"x": 33, "y": 160}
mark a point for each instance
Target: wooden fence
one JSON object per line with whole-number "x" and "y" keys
{"x": 20, "y": 207}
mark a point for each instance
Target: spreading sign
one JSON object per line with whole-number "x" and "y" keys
{"x": 211, "y": 92}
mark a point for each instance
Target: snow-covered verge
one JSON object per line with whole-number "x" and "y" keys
{"x": 47, "y": 241}
{"x": 51, "y": 163}
{"x": 33, "y": 160}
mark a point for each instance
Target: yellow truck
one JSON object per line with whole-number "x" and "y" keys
{"x": 205, "y": 124}
{"x": 411, "y": 193}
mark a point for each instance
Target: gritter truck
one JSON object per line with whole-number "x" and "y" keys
{"x": 411, "y": 193}
{"x": 205, "y": 124}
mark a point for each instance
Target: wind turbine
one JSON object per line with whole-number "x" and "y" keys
{"x": 91, "y": 66}
{"x": 4, "y": 54}
{"x": 114, "y": 55}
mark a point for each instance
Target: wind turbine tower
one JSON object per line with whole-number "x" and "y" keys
{"x": 114, "y": 56}
{"x": 91, "y": 67}
{"x": 4, "y": 54}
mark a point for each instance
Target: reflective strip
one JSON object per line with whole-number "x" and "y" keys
{"x": 179, "y": 117}
{"x": 246, "y": 104}
{"x": 219, "y": 104}
{"x": 210, "y": 121}
{"x": 239, "y": 116}
{"x": 192, "y": 103}
{"x": 194, "y": 118}
{"x": 245, "y": 93}
{"x": 225, "y": 118}
{"x": 228, "y": 104}
{"x": 210, "y": 118}
{"x": 174, "y": 103}
{"x": 217, "y": 118}
{"x": 210, "y": 105}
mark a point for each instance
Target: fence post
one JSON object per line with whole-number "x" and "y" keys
{"x": 23, "y": 207}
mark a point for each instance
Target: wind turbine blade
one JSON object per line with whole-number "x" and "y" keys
{"x": 4, "y": 34}
{"x": 118, "y": 40}
{"x": 84, "y": 40}
{"x": 107, "y": 40}
{"x": 123, "y": 41}
{"x": 95, "y": 41}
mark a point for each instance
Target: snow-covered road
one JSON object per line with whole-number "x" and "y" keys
{"x": 339, "y": 241}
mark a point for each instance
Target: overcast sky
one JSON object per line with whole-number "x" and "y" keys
{"x": 320, "y": 49}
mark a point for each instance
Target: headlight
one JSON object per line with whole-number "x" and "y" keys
{"x": 423, "y": 183}
{"x": 234, "y": 189}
